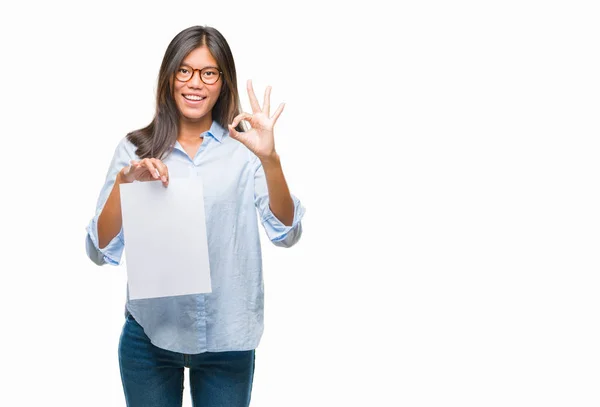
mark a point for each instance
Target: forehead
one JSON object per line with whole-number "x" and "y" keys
{"x": 199, "y": 58}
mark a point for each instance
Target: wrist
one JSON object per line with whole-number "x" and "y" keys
{"x": 272, "y": 160}
{"x": 121, "y": 178}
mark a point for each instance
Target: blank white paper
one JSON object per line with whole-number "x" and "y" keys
{"x": 165, "y": 238}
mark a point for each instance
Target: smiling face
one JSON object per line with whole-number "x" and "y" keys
{"x": 194, "y": 98}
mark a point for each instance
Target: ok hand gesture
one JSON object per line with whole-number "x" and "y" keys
{"x": 259, "y": 138}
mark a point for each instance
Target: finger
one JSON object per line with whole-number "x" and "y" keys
{"x": 132, "y": 164}
{"x": 126, "y": 171}
{"x": 146, "y": 162}
{"x": 162, "y": 169}
{"x": 240, "y": 117}
{"x": 267, "y": 101}
{"x": 135, "y": 167}
{"x": 237, "y": 135}
{"x": 278, "y": 112}
{"x": 253, "y": 100}
{"x": 233, "y": 132}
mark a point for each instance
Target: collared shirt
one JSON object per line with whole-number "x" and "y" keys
{"x": 231, "y": 316}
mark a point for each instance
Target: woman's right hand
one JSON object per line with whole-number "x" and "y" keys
{"x": 148, "y": 169}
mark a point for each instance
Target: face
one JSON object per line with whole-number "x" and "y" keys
{"x": 186, "y": 94}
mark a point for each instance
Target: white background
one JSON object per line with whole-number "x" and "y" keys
{"x": 447, "y": 155}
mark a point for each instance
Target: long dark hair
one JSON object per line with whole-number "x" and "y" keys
{"x": 158, "y": 138}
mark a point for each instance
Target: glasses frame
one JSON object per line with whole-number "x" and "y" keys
{"x": 199, "y": 73}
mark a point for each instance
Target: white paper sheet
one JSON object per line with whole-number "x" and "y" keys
{"x": 165, "y": 238}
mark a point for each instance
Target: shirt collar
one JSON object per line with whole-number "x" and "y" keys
{"x": 216, "y": 131}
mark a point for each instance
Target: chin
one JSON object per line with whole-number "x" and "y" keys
{"x": 192, "y": 114}
{"x": 193, "y": 117}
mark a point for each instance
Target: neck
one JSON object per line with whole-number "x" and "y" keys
{"x": 190, "y": 131}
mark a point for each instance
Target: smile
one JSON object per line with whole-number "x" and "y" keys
{"x": 194, "y": 98}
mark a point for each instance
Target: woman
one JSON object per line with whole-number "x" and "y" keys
{"x": 198, "y": 131}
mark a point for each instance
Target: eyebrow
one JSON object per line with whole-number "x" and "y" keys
{"x": 190, "y": 65}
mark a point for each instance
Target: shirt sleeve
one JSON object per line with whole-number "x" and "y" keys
{"x": 277, "y": 232}
{"x": 111, "y": 254}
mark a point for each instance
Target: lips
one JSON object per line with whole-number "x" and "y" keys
{"x": 194, "y": 98}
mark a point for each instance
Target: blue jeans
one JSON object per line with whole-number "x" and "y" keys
{"x": 153, "y": 377}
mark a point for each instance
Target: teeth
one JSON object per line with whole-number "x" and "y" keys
{"x": 193, "y": 97}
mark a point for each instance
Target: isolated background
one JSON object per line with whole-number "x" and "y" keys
{"x": 447, "y": 155}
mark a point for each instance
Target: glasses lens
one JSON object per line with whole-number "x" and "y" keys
{"x": 184, "y": 73}
{"x": 210, "y": 75}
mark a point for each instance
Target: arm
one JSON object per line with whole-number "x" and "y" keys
{"x": 107, "y": 246}
{"x": 280, "y": 212}
{"x": 105, "y": 241}
{"x": 271, "y": 202}
{"x": 280, "y": 200}
{"x": 110, "y": 221}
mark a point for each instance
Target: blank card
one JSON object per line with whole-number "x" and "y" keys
{"x": 165, "y": 238}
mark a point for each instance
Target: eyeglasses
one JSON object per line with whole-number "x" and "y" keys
{"x": 208, "y": 75}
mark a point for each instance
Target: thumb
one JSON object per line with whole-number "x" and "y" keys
{"x": 132, "y": 163}
{"x": 236, "y": 134}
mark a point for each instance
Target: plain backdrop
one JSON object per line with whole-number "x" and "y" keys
{"x": 447, "y": 156}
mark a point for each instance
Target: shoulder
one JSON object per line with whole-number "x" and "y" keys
{"x": 126, "y": 148}
{"x": 123, "y": 153}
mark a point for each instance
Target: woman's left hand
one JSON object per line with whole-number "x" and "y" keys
{"x": 259, "y": 138}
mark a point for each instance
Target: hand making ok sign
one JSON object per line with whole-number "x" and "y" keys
{"x": 259, "y": 138}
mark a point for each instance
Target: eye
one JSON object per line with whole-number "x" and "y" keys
{"x": 183, "y": 70}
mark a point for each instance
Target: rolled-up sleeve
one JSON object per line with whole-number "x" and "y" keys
{"x": 277, "y": 232}
{"x": 111, "y": 254}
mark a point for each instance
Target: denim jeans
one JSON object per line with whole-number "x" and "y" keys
{"x": 153, "y": 377}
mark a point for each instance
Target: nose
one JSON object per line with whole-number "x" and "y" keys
{"x": 195, "y": 81}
